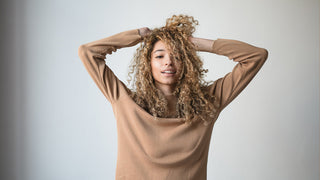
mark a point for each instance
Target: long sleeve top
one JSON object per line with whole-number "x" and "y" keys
{"x": 164, "y": 148}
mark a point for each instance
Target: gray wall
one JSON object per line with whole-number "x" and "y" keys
{"x": 57, "y": 125}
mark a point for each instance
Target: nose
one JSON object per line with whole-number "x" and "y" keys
{"x": 168, "y": 61}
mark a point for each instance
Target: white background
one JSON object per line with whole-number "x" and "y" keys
{"x": 60, "y": 126}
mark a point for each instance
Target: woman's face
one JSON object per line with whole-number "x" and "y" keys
{"x": 165, "y": 70}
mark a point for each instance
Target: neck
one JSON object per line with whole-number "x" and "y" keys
{"x": 167, "y": 90}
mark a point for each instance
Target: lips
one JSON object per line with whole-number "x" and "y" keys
{"x": 168, "y": 71}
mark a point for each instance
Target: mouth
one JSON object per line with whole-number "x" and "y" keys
{"x": 171, "y": 71}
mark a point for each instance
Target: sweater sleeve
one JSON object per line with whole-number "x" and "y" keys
{"x": 250, "y": 60}
{"x": 93, "y": 56}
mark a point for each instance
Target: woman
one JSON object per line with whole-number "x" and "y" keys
{"x": 165, "y": 121}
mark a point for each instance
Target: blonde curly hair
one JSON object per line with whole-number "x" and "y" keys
{"x": 194, "y": 102}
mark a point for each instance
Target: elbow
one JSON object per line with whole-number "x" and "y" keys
{"x": 262, "y": 57}
{"x": 82, "y": 50}
{"x": 264, "y": 54}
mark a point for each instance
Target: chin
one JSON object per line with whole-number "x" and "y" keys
{"x": 169, "y": 82}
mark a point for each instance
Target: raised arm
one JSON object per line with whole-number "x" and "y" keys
{"x": 202, "y": 44}
{"x": 93, "y": 56}
{"x": 250, "y": 60}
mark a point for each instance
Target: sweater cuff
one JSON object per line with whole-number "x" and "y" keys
{"x": 214, "y": 47}
{"x": 138, "y": 32}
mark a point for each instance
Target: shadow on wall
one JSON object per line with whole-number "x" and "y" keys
{"x": 11, "y": 98}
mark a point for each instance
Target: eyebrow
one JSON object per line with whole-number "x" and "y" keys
{"x": 158, "y": 50}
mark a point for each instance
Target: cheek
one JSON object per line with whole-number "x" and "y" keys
{"x": 154, "y": 68}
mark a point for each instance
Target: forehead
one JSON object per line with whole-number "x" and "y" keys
{"x": 159, "y": 45}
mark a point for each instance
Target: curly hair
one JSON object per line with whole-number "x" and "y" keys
{"x": 193, "y": 101}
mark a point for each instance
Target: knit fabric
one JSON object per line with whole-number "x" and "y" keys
{"x": 165, "y": 148}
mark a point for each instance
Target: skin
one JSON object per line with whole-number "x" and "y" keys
{"x": 165, "y": 71}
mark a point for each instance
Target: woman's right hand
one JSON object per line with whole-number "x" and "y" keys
{"x": 145, "y": 31}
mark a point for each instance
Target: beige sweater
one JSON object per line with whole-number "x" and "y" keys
{"x": 164, "y": 148}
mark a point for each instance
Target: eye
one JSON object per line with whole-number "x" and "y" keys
{"x": 158, "y": 57}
